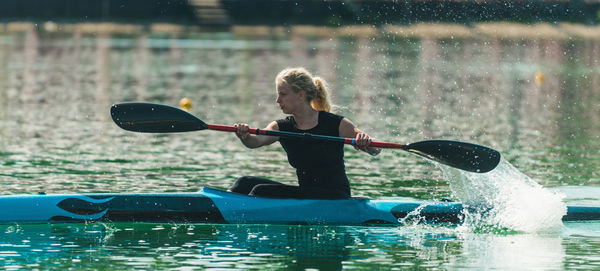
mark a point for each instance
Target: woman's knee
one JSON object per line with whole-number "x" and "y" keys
{"x": 275, "y": 191}
{"x": 262, "y": 190}
{"x": 243, "y": 185}
{"x": 244, "y": 180}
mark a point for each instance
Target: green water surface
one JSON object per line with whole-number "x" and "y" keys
{"x": 56, "y": 136}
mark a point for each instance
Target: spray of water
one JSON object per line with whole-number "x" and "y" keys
{"x": 506, "y": 199}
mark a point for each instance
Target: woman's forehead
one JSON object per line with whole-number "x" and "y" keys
{"x": 283, "y": 87}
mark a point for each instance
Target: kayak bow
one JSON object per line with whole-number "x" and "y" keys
{"x": 220, "y": 207}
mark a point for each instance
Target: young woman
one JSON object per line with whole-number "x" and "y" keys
{"x": 319, "y": 164}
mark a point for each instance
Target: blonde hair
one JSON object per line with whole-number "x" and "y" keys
{"x": 315, "y": 87}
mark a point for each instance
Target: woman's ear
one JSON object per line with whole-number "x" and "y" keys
{"x": 302, "y": 94}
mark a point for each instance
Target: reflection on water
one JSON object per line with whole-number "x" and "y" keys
{"x": 224, "y": 246}
{"x": 512, "y": 252}
{"x": 280, "y": 246}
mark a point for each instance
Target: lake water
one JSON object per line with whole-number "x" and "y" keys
{"x": 537, "y": 101}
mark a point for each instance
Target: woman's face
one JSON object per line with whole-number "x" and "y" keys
{"x": 287, "y": 99}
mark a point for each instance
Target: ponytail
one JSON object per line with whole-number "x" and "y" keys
{"x": 321, "y": 101}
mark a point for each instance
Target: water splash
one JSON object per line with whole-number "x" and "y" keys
{"x": 506, "y": 200}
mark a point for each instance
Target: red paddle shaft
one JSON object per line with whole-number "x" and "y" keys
{"x": 349, "y": 141}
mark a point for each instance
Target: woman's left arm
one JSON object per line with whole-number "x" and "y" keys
{"x": 349, "y": 130}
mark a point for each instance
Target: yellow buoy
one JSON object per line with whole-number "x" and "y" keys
{"x": 539, "y": 78}
{"x": 185, "y": 104}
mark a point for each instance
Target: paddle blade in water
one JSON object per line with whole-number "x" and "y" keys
{"x": 154, "y": 118}
{"x": 462, "y": 155}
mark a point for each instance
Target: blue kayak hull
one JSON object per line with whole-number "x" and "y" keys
{"x": 220, "y": 207}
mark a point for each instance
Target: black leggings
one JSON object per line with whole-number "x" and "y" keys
{"x": 262, "y": 187}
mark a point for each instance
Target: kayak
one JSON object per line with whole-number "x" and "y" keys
{"x": 220, "y": 207}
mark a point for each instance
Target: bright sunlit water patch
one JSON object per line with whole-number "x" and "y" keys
{"x": 506, "y": 199}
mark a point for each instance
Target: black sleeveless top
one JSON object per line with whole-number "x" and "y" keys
{"x": 318, "y": 164}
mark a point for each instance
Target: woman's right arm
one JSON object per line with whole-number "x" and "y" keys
{"x": 255, "y": 141}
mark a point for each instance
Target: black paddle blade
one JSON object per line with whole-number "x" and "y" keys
{"x": 154, "y": 118}
{"x": 462, "y": 155}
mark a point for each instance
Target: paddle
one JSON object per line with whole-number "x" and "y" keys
{"x": 157, "y": 118}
